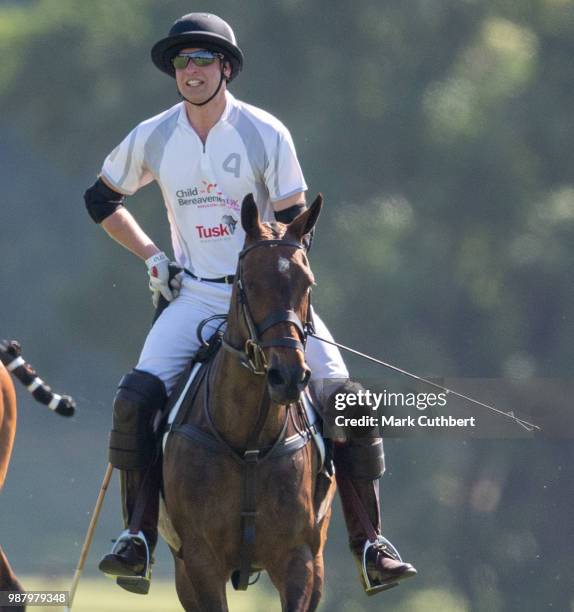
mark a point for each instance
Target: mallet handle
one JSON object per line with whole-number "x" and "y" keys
{"x": 90, "y": 534}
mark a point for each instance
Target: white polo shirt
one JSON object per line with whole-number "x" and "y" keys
{"x": 247, "y": 151}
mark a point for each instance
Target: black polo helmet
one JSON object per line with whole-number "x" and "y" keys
{"x": 202, "y": 30}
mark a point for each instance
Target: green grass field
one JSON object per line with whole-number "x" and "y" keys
{"x": 103, "y": 595}
{"x": 96, "y": 594}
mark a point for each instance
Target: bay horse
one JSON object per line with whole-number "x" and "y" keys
{"x": 8, "y": 580}
{"x": 239, "y": 497}
{"x": 11, "y": 361}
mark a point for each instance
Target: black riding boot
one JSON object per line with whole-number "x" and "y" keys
{"x": 133, "y": 451}
{"x": 359, "y": 464}
{"x": 131, "y": 483}
{"x": 131, "y": 558}
{"x": 380, "y": 564}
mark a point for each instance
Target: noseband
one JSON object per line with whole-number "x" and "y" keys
{"x": 252, "y": 355}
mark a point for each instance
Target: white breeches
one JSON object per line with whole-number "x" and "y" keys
{"x": 172, "y": 341}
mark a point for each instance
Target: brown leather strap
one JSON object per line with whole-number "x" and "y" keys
{"x": 281, "y": 316}
{"x": 249, "y": 493}
{"x": 348, "y": 490}
{"x": 248, "y": 517}
{"x": 147, "y": 487}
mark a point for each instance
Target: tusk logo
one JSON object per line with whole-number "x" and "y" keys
{"x": 225, "y": 228}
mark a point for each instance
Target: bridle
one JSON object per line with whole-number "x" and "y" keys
{"x": 251, "y": 355}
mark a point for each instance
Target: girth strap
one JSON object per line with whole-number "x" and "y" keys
{"x": 288, "y": 446}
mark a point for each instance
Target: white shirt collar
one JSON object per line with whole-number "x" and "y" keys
{"x": 230, "y": 103}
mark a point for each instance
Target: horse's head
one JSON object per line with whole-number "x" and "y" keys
{"x": 273, "y": 298}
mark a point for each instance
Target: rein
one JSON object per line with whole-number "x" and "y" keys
{"x": 251, "y": 355}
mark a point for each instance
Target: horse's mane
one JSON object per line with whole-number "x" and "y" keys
{"x": 273, "y": 230}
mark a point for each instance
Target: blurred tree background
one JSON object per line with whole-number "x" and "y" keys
{"x": 441, "y": 133}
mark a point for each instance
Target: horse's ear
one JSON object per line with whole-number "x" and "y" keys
{"x": 250, "y": 216}
{"x": 305, "y": 222}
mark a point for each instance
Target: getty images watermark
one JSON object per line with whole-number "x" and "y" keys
{"x": 396, "y": 409}
{"x": 376, "y": 402}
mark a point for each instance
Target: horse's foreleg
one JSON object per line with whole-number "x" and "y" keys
{"x": 318, "y": 579}
{"x": 199, "y": 585}
{"x": 294, "y": 578}
{"x": 318, "y": 562}
{"x": 183, "y": 586}
{"x": 8, "y": 582}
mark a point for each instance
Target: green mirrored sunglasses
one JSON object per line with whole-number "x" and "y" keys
{"x": 201, "y": 58}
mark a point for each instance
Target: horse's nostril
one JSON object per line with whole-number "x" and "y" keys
{"x": 275, "y": 378}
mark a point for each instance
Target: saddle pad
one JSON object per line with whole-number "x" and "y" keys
{"x": 313, "y": 418}
{"x": 179, "y": 401}
{"x": 165, "y": 527}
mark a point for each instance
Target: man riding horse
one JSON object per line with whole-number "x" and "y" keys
{"x": 206, "y": 153}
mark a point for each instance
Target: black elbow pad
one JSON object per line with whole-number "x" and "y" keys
{"x": 101, "y": 201}
{"x": 288, "y": 214}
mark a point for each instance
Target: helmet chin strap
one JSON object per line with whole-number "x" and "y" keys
{"x": 222, "y": 78}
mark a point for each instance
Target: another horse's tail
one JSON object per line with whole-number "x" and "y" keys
{"x": 11, "y": 357}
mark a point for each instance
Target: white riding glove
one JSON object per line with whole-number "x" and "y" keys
{"x": 158, "y": 267}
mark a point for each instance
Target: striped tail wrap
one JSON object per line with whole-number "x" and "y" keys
{"x": 11, "y": 357}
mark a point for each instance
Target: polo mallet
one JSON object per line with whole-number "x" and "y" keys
{"x": 89, "y": 535}
{"x": 11, "y": 357}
